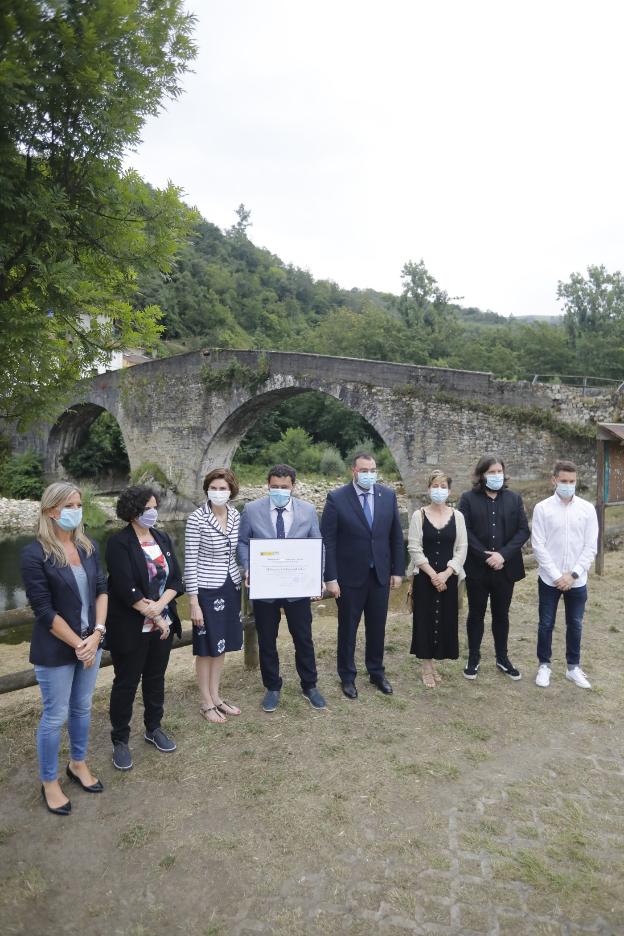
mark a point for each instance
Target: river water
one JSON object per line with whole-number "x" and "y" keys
{"x": 12, "y": 594}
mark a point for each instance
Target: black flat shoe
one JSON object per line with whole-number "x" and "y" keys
{"x": 63, "y": 810}
{"x": 94, "y": 788}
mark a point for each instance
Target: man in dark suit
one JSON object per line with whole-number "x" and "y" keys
{"x": 364, "y": 558}
{"x": 497, "y": 530}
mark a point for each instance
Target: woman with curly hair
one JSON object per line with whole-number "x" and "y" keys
{"x": 66, "y": 589}
{"x": 144, "y": 580}
{"x": 213, "y": 583}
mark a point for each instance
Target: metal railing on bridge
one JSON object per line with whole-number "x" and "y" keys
{"x": 581, "y": 380}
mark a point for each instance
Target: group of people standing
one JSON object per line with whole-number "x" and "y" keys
{"x": 134, "y": 611}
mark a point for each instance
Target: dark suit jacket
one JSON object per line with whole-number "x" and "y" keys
{"x": 351, "y": 545}
{"x": 128, "y": 582}
{"x": 51, "y": 589}
{"x": 473, "y": 505}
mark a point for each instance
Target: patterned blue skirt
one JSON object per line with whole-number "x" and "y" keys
{"x": 223, "y": 629}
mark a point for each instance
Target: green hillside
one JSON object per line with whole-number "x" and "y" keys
{"x": 226, "y": 292}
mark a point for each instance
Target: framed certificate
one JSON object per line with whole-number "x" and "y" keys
{"x": 285, "y": 568}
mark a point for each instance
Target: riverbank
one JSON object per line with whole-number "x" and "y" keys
{"x": 20, "y": 516}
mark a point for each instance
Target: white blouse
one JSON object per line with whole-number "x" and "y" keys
{"x": 209, "y": 552}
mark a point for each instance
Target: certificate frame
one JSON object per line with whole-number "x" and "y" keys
{"x": 285, "y": 568}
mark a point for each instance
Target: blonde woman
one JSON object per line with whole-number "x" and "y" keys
{"x": 66, "y": 589}
{"x": 437, "y": 545}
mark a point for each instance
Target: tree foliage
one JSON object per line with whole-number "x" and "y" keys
{"x": 101, "y": 451}
{"x": 78, "y": 78}
{"x": 594, "y": 319}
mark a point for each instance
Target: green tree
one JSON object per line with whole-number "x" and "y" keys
{"x": 594, "y": 319}
{"x": 78, "y": 78}
{"x": 102, "y": 450}
{"x": 426, "y": 311}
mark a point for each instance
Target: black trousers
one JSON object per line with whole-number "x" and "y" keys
{"x": 370, "y": 599}
{"x": 499, "y": 590}
{"x": 146, "y": 665}
{"x": 299, "y": 618}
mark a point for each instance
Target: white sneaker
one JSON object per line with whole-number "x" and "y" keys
{"x": 576, "y": 675}
{"x": 543, "y": 676}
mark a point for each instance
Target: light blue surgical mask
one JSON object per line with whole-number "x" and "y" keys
{"x": 279, "y": 497}
{"x": 495, "y": 481}
{"x": 366, "y": 479}
{"x": 565, "y": 490}
{"x": 438, "y": 495}
{"x": 148, "y": 518}
{"x": 70, "y": 519}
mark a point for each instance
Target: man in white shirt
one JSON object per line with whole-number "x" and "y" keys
{"x": 564, "y": 540}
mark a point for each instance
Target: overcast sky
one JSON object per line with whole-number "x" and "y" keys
{"x": 484, "y": 137}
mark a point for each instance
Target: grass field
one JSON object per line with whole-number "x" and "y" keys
{"x": 487, "y": 807}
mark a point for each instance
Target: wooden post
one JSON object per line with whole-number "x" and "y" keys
{"x": 250, "y": 637}
{"x": 600, "y": 503}
{"x": 25, "y": 678}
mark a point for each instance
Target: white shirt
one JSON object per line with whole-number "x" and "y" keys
{"x": 287, "y": 517}
{"x": 370, "y": 497}
{"x": 564, "y": 538}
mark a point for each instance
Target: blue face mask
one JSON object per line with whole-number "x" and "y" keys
{"x": 438, "y": 495}
{"x": 366, "y": 479}
{"x": 279, "y": 497}
{"x": 70, "y": 519}
{"x": 566, "y": 490}
{"x": 148, "y": 518}
{"x": 494, "y": 481}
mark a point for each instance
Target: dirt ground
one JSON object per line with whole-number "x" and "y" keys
{"x": 490, "y": 807}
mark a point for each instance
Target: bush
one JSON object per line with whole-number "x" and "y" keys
{"x": 21, "y": 477}
{"x": 148, "y": 472}
{"x": 295, "y": 447}
{"x": 92, "y": 513}
{"x": 332, "y": 462}
{"x": 386, "y": 464}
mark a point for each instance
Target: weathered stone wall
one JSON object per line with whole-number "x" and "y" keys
{"x": 427, "y": 416}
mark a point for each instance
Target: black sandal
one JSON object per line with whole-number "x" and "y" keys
{"x": 223, "y": 711}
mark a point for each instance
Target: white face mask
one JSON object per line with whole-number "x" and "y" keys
{"x": 218, "y": 498}
{"x": 438, "y": 495}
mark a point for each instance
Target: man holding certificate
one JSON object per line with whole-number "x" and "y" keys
{"x": 283, "y": 571}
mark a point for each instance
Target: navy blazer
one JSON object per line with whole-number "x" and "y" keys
{"x": 51, "y": 589}
{"x": 128, "y": 582}
{"x": 351, "y": 545}
{"x": 474, "y": 506}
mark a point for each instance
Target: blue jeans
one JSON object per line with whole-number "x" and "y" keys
{"x": 574, "y": 602}
{"x": 66, "y": 692}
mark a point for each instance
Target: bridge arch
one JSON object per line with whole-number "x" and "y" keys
{"x": 228, "y": 436}
{"x": 68, "y": 432}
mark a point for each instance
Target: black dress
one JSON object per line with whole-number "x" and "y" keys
{"x": 434, "y": 631}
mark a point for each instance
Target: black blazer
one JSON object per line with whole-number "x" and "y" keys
{"x": 128, "y": 582}
{"x": 351, "y": 545}
{"x": 473, "y": 505}
{"x": 51, "y": 589}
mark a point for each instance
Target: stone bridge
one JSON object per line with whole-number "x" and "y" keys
{"x": 189, "y": 413}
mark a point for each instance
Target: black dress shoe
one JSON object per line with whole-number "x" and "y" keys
{"x": 349, "y": 690}
{"x": 94, "y": 788}
{"x": 382, "y": 684}
{"x": 63, "y": 810}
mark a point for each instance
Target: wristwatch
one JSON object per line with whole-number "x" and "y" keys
{"x": 574, "y": 575}
{"x": 102, "y": 629}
